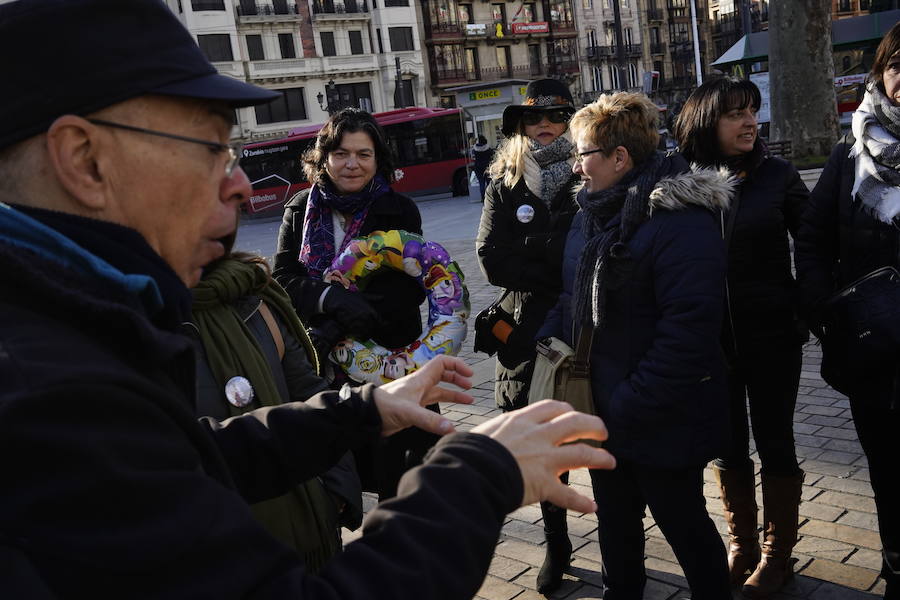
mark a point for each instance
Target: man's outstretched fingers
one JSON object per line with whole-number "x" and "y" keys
{"x": 566, "y": 497}
{"x": 545, "y": 410}
{"x": 573, "y": 425}
{"x": 578, "y": 456}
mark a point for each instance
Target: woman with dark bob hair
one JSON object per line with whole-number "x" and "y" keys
{"x": 762, "y": 336}
{"x": 851, "y": 230}
{"x": 350, "y": 169}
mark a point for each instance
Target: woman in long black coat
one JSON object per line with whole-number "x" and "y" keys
{"x": 762, "y": 335}
{"x": 850, "y": 230}
{"x": 527, "y": 210}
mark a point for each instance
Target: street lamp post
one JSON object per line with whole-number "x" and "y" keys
{"x": 329, "y": 101}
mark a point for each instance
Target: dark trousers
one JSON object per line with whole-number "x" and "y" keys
{"x": 877, "y": 426}
{"x": 768, "y": 380}
{"x": 675, "y": 498}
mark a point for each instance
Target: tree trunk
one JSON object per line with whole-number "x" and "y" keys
{"x": 801, "y": 76}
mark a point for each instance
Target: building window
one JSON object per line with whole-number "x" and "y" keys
{"x": 498, "y": 13}
{"x": 396, "y": 3}
{"x": 401, "y": 38}
{"x": 290, "y": 107}
{"x": 327, "y": 39}
{"x": 216, "y": 47}
{"x": 529, "y": 15}
{"x": 286, "y": 41}
{"x": 863, "y": 4}
{"x": 613, "y": 77}
{"x": 356, "y": 45}
{"x": 561, "y": 14}
{"x": 503, "y": 60}
{"x": 448, "y": 61}
{"x": 380, "y": 43}
{"x": 255, "y": 47}
{"x": 198, "y": 5}
{"x": 357, "y": 95}
{"x": 443, "y": 15}
{"x": 180, "y": 7}
{"x": 592, "y": 38}
{"x": 597, "y": 79}
{"x": 632, "y": 75}
{"x": 534, "y": 60}
{"x": 473, "y": 73}
{"x": 466, "y": 15}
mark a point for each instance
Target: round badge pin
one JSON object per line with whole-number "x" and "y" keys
{"x": 525, "y": 213}
{"x": 239, "y": 392}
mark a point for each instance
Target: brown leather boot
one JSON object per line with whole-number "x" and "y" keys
{"x": 781, "y": 505}
{"x": 737, "y": 487}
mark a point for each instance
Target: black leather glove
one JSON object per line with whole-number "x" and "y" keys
{"x": 353, "y": 313}
{"x": 324, "y": 337}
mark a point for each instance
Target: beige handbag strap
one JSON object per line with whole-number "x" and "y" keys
{"x": 269, "y": 318}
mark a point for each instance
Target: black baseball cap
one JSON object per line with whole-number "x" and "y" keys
{"x": 78, "y": 56}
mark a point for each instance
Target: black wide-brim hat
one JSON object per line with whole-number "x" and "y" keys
{"x": 543, "y": 94}
{"x": 78, "y": 56}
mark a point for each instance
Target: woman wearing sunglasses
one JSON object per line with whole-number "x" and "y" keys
{"x": 527, "y": 210}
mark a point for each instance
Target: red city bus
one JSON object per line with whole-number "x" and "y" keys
{"x": 428, "y": 144}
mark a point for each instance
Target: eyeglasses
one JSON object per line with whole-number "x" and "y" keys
{"x": 533, "y": 117}
{"x": 233, "y": 149}
{"x": 579, "y": 156}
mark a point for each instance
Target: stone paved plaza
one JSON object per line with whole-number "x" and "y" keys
{"x": 838, "y": 552}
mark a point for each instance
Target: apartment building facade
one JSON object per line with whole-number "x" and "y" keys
{"x": 480, "y": 55}
{"x": 668, "y": 47}
{"x": 321, "y": 54}
{"x": 600, "y": 71}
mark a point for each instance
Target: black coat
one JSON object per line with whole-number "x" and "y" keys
{"x": 524, "y": 258}
{"x": 762, "y": 294}
{"x": 112, "y": 488}
{"x": 394, "y": 295}
{"x": 838, "y": 242}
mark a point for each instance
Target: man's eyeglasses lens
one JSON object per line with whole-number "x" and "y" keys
{"x": 579, "y": 156}
{"x": 233, "y": 150}
{"x": 533, "y": 117}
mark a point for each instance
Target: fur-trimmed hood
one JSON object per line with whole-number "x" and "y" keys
{"x": 704, "y": 187}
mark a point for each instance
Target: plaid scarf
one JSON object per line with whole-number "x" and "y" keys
{"x": 876, "y": 127}
{"x": 555, "y": 162}
{"x": 317, "y": 249}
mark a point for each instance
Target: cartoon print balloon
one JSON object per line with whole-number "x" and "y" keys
{"x": 444, "y": 284}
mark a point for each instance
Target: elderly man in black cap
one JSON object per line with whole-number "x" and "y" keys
{"x": 118, "y": 184}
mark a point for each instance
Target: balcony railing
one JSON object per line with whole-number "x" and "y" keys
{"x": 329, "y": 7}
{"x": 445, "y": 30}
{"x": 558, "y": 26}
{"x": 609, "y": 52}
{"x": 557, "y": 66}
{"x": 245, "y": 9}
{"x": 657, "y": 48}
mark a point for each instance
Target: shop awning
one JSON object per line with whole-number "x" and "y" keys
{"x": 855, "y": 31}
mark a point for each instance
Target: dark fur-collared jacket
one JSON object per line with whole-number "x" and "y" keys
{"x": 657, "y": 370}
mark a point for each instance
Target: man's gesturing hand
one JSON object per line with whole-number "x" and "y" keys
{"x": 536, "y": 434}
{"x": 401, "y": 401}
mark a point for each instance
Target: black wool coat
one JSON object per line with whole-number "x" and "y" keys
{"x": 762, "y": 293}
{"x": 112, "y": 488}
{"x": 520, "y": 247}
{"x": 394, "y": 295}
{"x": 838, "y": 242}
